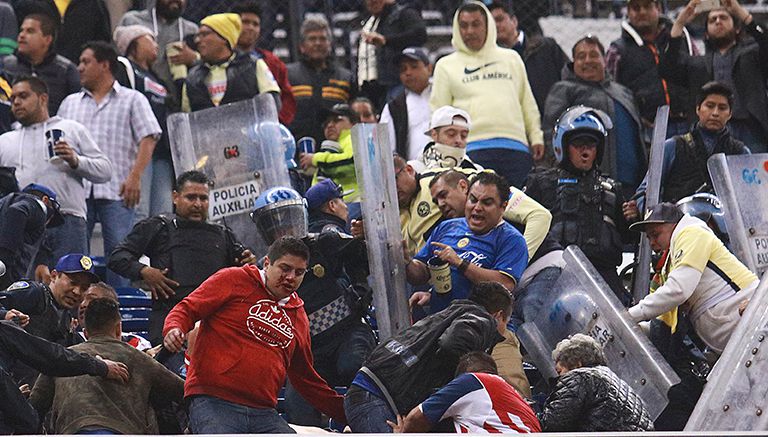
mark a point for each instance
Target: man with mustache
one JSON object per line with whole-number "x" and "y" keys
{"x": 184, "y": 250}
{"x": 585, "y": 205}
{"x": 254, "y": 333}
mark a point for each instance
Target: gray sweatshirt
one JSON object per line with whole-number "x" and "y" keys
{"x": 25, "y": 148}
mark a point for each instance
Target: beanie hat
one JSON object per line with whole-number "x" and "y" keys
{"x": 125, "y": 35}
{"x": 226, "y": 25}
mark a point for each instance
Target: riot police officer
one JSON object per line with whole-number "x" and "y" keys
{"x": 184, "y": 250}
{"x": 585, "y": 206}
{"x": 335, "y": 292}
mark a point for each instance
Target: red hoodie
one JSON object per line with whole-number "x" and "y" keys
{"x": 248, "y": 342}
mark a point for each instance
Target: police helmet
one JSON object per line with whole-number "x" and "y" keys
{"x": 580, "y": 120}
{"x": 289, "y": 146}
{"x": 708, "y": 208}
{"x": 280, "y": 211}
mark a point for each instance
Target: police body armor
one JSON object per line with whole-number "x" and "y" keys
{"x": 197, "y": 250}
{"x": 582, "y": 215}
{"x": 331, "y": 298}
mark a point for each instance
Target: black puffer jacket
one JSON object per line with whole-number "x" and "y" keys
{"x": 593, "y": 399}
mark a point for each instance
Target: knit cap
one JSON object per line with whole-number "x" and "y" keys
{"x": 226, "y": 26}
{"x": 125, "y": 35}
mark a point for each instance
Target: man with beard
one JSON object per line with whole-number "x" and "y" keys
{"x": 169, "y": 28}
{"x": 633, "y": 59}
{"x": 738, "y": 62}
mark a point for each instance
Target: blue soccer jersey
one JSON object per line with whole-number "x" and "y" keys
{"x": 502, "y": 248}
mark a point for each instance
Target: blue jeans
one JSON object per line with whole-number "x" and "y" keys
{"x": 514, "y": 165}
{"x": 70, "y": 237}
{"x": 529, "y": 299}
{"x": 367, "y": 413}
{"x": 211, "y": 415}
{"x": 156, "y": 187}
{"x": 116, "y": 221}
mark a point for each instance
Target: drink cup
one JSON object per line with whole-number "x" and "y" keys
{"x": 177, "y": 71}
{"x": 52, "y": 137}
{"x": 439, "y": 275}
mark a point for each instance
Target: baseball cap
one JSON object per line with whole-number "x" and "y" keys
{"x": 415, "y": 53}
{"x": 444, "y": 116}
{"x": 55, "y": 210}
{"x": 324, "y": 191}
{"x": 77, "y": 263}
{"x": 662, "y": 213}
{"x": 341, "y": 109}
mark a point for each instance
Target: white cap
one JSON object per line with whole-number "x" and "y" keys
{"x": 445, "y": 116}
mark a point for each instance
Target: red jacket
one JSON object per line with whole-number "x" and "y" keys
{"x": 279, "y": 70}
{"x": 248, "y": 342}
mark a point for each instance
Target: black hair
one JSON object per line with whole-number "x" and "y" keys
{"x": 492, "y": 296}
{"x": 504, "y": 6}
{"x": 477, "y": 361}
{"x": 287, "y": 245}
{"x": 103, "y": 52}
{"x": 450, "y": 177}
{"x": 473, "y": 7}
{"x": 194, "y": 176}
{"x": 35, "y": 83}
{"x": 247, "y": 7}
{"x": 491, "y": 178}
{"x": 714, "y": 87}
{"x": 589, "y": 39}
{"x": 101, "y": 315}
{"x": 48, "y": 26}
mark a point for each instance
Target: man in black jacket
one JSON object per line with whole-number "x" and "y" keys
{"x": 184, "y": 250}
{"x": 16, "y": 415}
{"x": 632, "y": 60}
{"x": 404, "y": 370}
{"x": 37, "y": 57}
{"x": 731, "y": 58}
{"x": 385, "y": 34}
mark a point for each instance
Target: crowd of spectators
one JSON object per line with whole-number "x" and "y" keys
{"x": 505, "y": 151}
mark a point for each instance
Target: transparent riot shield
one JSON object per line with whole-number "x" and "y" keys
{"x": 741, "y": 184}
{"x": 641, "y": 277}
{"x": 581, "y": 302}
{"x": 238, "y": 146}
{"x": 376, "y": 182}
{"x": 736, "y": 394}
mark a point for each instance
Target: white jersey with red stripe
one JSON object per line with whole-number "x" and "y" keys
{"x": 480, "y": 403}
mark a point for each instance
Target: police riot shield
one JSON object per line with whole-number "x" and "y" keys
{"x": 381, "y": 218}
{"x": 641, "y": 277}
{"x": 741, "y": 184}
{"x": 238, "y": 147}
{"x": 581, "y": 302}
{"x": 736, "y": 394}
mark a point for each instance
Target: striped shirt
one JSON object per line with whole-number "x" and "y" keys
{"x": 117, "y": 124}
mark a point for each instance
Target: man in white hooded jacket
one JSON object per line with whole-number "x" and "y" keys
{"x": 75, "y": 157}
{"x": 491, "y": 84}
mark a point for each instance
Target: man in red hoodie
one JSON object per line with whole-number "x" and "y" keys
{"x": 254, "y": 332}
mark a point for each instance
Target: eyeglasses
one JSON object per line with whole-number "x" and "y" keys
{"x": 203, "y": 33}
{"x": 397, "y": 173}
